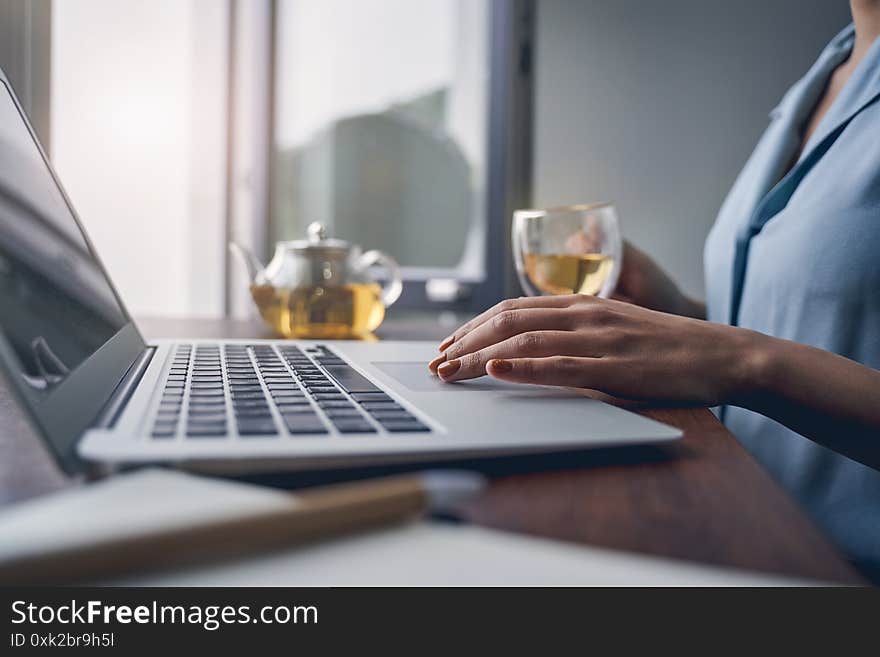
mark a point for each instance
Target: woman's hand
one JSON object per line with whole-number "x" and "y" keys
{"x": 644, "y": 283}
{"x": 605, "y": 345}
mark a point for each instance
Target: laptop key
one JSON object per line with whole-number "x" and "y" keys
{"x": 342, "y": 412}
{"x": 237, "y": 395}
{"x": 392, "y": 415}
{"x": 205, "y": 420}
{"x": 205, "y": 417}
{"x": 252, "y": 411}
{"x": 214, "y": 407}
{"x": 350, "y": 379}
{"x": 291, "y": 400}
{"x": 335, "y": 404}
{"x": 246, "y": 403}
{"x": 371, "y": 397}
{"x": 404, "y": 426}
{"x": 293, "y": 411}
{"x": 252, "y": 427}
{"x": 207, "y": 432}
{"x": 304, "y": 424}
{"x": 206, "y": 394}
{"x": 353, "y": 425}
{"x": 240, "y": 389}
{"x": 318, "y": 389}
{"x": 382, "y": 406}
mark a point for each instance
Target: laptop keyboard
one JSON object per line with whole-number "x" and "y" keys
{"x": 271, "y": 391}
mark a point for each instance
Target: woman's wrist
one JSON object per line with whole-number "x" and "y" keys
{"x": 756, "y": 360}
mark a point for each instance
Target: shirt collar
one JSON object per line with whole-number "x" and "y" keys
{"x": 862, "y": 88}
{"x": 803, "y": 95}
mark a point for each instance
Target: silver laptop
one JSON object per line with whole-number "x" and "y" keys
{"x": 101, "y": 395}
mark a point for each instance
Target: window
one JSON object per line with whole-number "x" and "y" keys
{"x": 180, "y": 124}
{"x": 138, "y": 124}
{"x": 382, "y": 133}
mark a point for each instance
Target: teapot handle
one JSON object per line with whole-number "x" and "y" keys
{"x": 394, "y": 286}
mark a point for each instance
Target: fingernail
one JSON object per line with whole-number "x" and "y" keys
{"x": 449, "y": 368}
{"x": 434, "y": 364}
{"x": 448, "y": 341}
{"x": 500, "y": 365}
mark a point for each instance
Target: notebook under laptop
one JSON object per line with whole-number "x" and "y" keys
{"x": 99, "y": 393}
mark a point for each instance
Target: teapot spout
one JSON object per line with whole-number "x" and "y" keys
{"x": 250, "y": 261}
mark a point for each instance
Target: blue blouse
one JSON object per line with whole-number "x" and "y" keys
{"x": 798, "y": 257}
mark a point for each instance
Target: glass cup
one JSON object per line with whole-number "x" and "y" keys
{"x": 567, "y": 250}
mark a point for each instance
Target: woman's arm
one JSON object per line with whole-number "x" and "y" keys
{"x": 644, "y": 283}
{"x": 828, "y": 398}
{"x": 632, "y": 352}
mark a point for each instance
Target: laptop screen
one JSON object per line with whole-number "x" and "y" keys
{"x": 57, "y": 306}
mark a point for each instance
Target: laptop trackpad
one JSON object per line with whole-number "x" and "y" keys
{"x": 416, "y": 377}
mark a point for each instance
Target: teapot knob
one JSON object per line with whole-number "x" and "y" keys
{"x": 316, "y": 232}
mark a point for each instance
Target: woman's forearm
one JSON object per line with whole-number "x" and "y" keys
{"x": 825, "y": 397}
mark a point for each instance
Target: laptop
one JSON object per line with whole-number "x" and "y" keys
{"x": 102, "y": 396}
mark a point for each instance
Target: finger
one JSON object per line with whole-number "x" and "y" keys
{"x": 507, "y": 324}
{"x": 554, "y": 371}
{"x": 508, "y": 304}
{"x": 434, "y": 364}
{"x": 537, "y": 344}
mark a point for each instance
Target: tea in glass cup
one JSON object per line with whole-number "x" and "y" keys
{"x": 567, "y": 250}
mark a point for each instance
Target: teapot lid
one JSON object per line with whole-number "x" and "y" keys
{"x": 318, "y": 241}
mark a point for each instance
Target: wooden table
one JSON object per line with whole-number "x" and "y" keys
{"x": 703, "y": 498}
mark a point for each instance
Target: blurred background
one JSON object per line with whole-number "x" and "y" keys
{"x": 411, "y": 126}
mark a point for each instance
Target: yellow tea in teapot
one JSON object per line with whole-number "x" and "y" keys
{"x": 314, "y": 311}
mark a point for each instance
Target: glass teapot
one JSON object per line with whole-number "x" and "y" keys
{"x": 320, "y": 287}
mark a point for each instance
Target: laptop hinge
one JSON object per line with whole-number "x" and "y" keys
{"x": 124, "y": 390}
